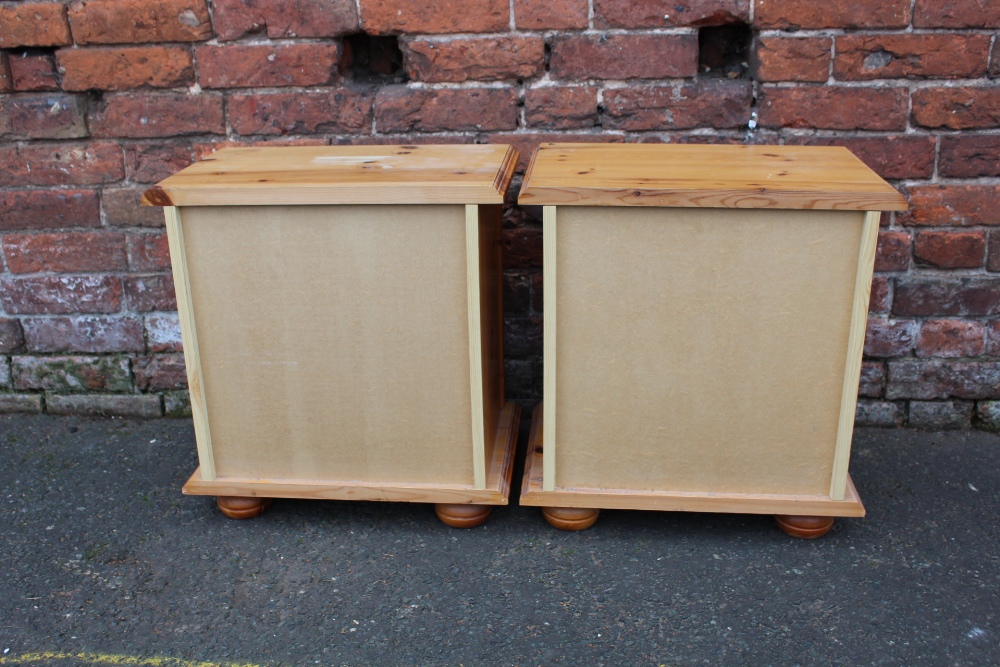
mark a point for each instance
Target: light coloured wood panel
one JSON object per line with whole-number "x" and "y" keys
{"x": 701, "y": 350}
{"x": 689, "y": 175}
{"x": 335, "y": 341}
{"x": 430, "y": 174}
{"x": 550, "y": 262}
{"x": 474, "y": 313}
{"x": 491, "y": 317}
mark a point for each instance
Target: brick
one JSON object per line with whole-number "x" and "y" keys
{"x": 969, "y": 155}
{"x": 150, "y": 292}
{"x": 33, "y": 24}
{"x": 940, "y": 415}
{"x": 339, "y": 110}
{"x": 522, "y": 248}
{"x": 61, "y": 294}
{"x": 12, "y": 403}
{"x": 993, "y": 251}
{"x": 435, "y": 16}
{"x": 260, "y": 65}
{"x": 834, "y": 108}
{"x": 11, "y": 335}
{"x": 521, "y": 378}
{"x": 160, "y": 372}
{"x": 176, "y": 404}
{"x": 993, "y": 338}
{"x": 784, "y": 14}
{"x": 139, "y": 21}
{"x": 48, "y": 209}
{"x": 929, "y": 379}
{"x": 550, "y": 14}
{"x": 624, "y": 56}
{"x": 793, "y": 58}
{"x": 124, "y": 68}
{"x": 957, "y": 108}
{"x": 942, "y": 56}
{"x": 952, "y": 205}
{"x": 956, "y": 14}
{"x": 994, "y": 66}
{"x": 71, "y": 373}
{"x": 291, "y": 18}
{"x": 661, "y": 14}
{"x": 872, "y": 379}
{"x": 896, "y": 156}
{"x": 893, "y": 252}
{"x": 988, "y": 415}
{"x": 523, "y": 337}
{"x": 403, "y": 109}
{"x": 709, "y": 103}
{"x": 516, "y": 293}
{"x": 477, "y": 59}
{"x": 33, "y": 72}
{"x": 54, "y": 116}
{"x": 881, "y": 414}
{"x": 94, "y": 335}
{"x": 561, "y": 107}
{"x": 889, "y": 338}
{"x": 951, "y": 338}
{"x": 61, "y": 164}
{"x": 72, "y": 252}
{"x": 142, "y": 116}
{"x": 148, "y": 252}
{"x": 122, "y": 208}
{"x": 954, "y": 297}
{"x": 163, "y": 332}
{"x": 6, "y": 80}
{"x": 880, "y": 298}
{"x": 951, "y": 249}
{"x": 150, "y": 163}
{"x": 103, "y": 405}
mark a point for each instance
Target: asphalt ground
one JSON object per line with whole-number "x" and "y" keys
{"x": 105, "y": 562}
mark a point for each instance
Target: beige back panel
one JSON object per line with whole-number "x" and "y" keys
{"x": 702, "y": 349}
{"x": 334, "y": 340}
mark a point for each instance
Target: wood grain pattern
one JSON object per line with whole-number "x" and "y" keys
{"x": 550, "y": 341}
{"x": 475, "y": 344}
{"x": 491, "y": 317}
{"x": 796, "y": 177}
{"x": 441, "y": 174}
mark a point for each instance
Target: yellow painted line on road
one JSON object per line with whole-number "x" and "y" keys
{"x": 110, "y": 659}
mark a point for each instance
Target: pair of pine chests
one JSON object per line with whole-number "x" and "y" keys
{"x": 705, "y": 309}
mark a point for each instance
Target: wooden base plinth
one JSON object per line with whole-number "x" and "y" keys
{"x": 570, "y": 518}
{"x": 242, "y": 507}
{"x": 462, "y": 516}
{"x": 804, "y": 527}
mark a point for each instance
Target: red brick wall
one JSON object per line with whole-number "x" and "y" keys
{"x": 99, "y": 99}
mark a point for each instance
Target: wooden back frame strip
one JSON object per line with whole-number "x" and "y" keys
{"x": 189, "y": 336}
{"x": 549, "y": 348}
{"x": 475, "y": 346}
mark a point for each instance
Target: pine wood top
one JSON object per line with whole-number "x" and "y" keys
{"x": 435, "y": 174}
{"x": 792, "y": 177}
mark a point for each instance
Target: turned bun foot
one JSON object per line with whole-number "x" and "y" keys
{"x": 462, "y": 516}
{"x": 570, "y": 518}
{"x": 804, "y": 527}
{"x": 242, "y": 507}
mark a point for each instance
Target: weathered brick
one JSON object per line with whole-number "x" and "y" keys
{"x": 951, "y": 338}
{"x": 103, "y": 405}
{"x": 124, "y": 68}
{"x": 259, "y": 65}
{"x": 160, "y": 372}
{"x": 148, "y": 252}
{"x": 403, "y": 109}
{"x": 61, "y": 164}
{"x": 122, "y": 208}
{"x": 889, "y": 338}
{"x": 994, "y": 66}
{"x": 956, "y": 14}
{"x": 993, "y": 338}
{"x": 708, "y": 103}
{"x": 988, "y": 415}
{"x": 928, "y": 379}
{"x": 953, "y": 297}
{"x": 993, "y": 251}
{"x": 71, "y": 373}
{"x": 561, "y": 107}
{"x": 940, "y": 415}
{"x": 435, "y": 16}
{"x": 962, "y": 108}
{"x": 661, "y": 14}
{"x": 54, "y": 116}
{"x": 149, "y": 163}
{"x": 952, "y": 205}
{"x": 60, "y": 294}
{"x": 139, "y": 21}
{"x": 896, "y": 156}
{"x": 624, "y": 56}
{"x": 48, "y": 209}
{"x": 150, "y": 292}
{"x": 33, "y": 71}
{"x": 880, "y": 299}
{"x": 339, "y": 110}
{"x": 831, "y": 14}
{"x": 33, "y": 24}
{"x": 793, "y": 58}
{"x": 522, "y": 377}
{"x": 6, "y": 79}
{"x": 291, "y": 18}
{"x": 835, "y": 108}
{"x": 522, "y": 248}
{"x": 72, "y": 252}
{"x": 550, "y": 14}
{"x": 176, "y": 404}
{"x": 893, "y": 252}
{"x": 882, "y": 414}
{"x": 141, "y": 116}
{"x": 11, "y": 335}
{"x": 523, "y": 337}
{"x": 872, "y": 379}
{"x": 11, "y": 403}
{"x": 478, "y": 59}
{"x": 163, "y": 332}
{"x": 94, "y": 335}
{"x": 951, "y": 249}
{"x": 940, "y": 55}
{"x": 516, "y": 292}
{"x": 969, "y": 155}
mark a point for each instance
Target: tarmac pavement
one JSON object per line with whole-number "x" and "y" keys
{"x": 105, "y": 562}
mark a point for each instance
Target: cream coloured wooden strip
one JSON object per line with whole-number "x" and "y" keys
{"x": 855, "y": 350}
{"x": 189, "y": 335}
{"x": 549, "y": 347}
{"x": 475, "y": 345}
